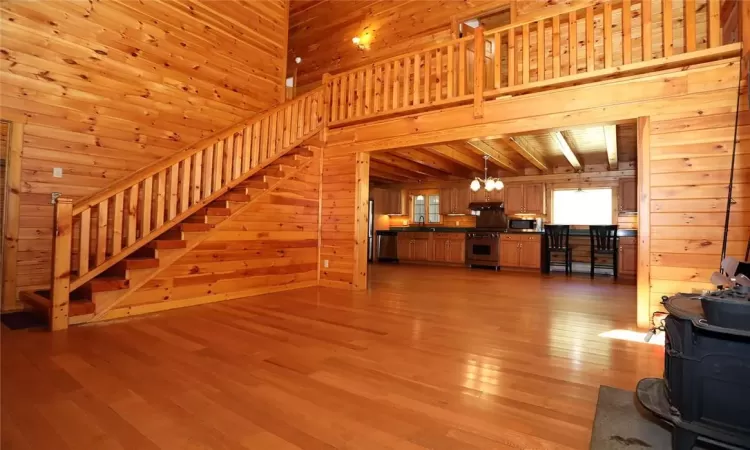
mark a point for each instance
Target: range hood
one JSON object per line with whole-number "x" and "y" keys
{"x": 487, "y": 206}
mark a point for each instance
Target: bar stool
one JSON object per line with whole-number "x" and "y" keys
{"x": 557, "y": 238}
{"x": 604, "y": 242}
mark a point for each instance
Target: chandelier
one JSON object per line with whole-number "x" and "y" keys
{"x": 490, "y": 184}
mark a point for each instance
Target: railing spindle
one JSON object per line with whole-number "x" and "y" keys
{"x": 218, "y": 156}
{"x": 512, "y": 67}
{"x": 101, "y": 231}
{"x": 590, "y": 38}
{"x": 496, "y": 59}
{"x": 84, "y": 241}
{"x": 396, "y": 84}
{"x": 239, "y": 145}
{"x": 417, "y": 74}
{"x": 666, "y": 31}
{"x": 247, "y": 144}
{"x": 272, "y": 130}
{"x": 146, "y": 207}
{"x": 350, "y": 96}
{"x": 117, "y": 222}
{"x": 161, "y": 188}
{"x": 462, "y": 68}
{"x": 646, "y": 30}
{"x": 540, "y": 50}
{"x": 132, "y": 218}
{"x": 360, "y": 94}
{"x": 368, "y": 106}
{"x": 229, "y": 151}
{"x": 572, "y": 43}
{"x": 407, "y": 69}
{"x": 690, "y": 33}
{"x": 607, "y": 23}
{"x": 387, "y": 86}
{"x": 627, "y": 48}
{"x": 556, "y": 47}
{"x": 479, "y": 72}
{"x": 335, "y": 100}
{"x": 185, "y": 185}
{"x": 279, "y": 136}
{"x": 427, "y": 78}
{"x": 376, "y": 108}
{"x": 714, "y": 24}
{"x": 172, "y": 191}
{"x": 525, "y": 51}
{"x": 451, "y": 74}
{"x": 197, "y": 173}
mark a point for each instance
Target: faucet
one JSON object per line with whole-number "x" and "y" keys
{"x": 421, "y": 221}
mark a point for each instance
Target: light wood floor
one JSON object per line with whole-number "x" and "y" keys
{"x": 429, "y": 357}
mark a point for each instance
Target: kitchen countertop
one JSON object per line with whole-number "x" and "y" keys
{"x": 575, "y": 233}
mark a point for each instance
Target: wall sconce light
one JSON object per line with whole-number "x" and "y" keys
{"x": 298, "y": 60}
{"x": 362, "y": 42}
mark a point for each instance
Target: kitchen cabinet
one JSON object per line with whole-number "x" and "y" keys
{"x": 628, "y": 195}
{"x": 455, "y": 200}
{"x": 482, "y": 196}
{"x": 525, "y": 198}
{"x": 448, "y": 248}
{"x": 627, "y": 262}
{"x": 413, "y": 246}
{"x": 387, "y": 201}
{"x": 519, "y": 250}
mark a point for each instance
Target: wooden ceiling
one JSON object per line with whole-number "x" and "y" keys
{"x": 601, "y": 147}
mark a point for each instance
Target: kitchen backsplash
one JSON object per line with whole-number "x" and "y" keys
{"x": 448, "y": 221}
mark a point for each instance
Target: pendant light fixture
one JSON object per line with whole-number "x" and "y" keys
{"x": 490, "y": 184}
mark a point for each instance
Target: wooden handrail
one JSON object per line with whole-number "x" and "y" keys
{"x": 139, "y": 208}
{"x": 169, "y": 160}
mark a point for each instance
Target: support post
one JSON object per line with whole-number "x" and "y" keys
{"x": 479, "y": 72}
{"x": 61, "y": 251}
{"x": 361, "y": 212}
{"x": 643, "y": 289}
{"x": 324, "y": 106}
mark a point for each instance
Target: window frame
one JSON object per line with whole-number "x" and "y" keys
{"x": 412, "y": 194}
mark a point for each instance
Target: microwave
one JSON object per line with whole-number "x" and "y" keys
{"x": 524, "y": 224}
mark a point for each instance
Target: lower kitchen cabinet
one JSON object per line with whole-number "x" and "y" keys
{"x": 449, "y": 248}
{"x": 518, "y": 250}
{"x": 413, "y": 246}
{"x": 627, "y": 263}
{"x": 420, "y": 249}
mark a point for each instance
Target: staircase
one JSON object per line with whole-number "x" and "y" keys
{"x": 112, "y": 243}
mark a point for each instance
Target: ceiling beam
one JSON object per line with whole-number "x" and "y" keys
{"x": 520, "y": 145}
{"x": 387, "y": 168}
{"x": 467, "y": 159}
{"x": 432, "y": 160}
{"x": 376, "y": 173}
{"x": 566, "y": 150}
{"x": 495, "y": 151}
{"x": 406, "y": 164}
{"x": 610, "y": 138}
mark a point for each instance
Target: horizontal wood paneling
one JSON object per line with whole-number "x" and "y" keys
{"x": 338, "y": 220}
{"x": 321, "y": 32}
{"x": 105, "y": 88}
{"x": 269, "y": 246}
{"x": 690, "y": 162}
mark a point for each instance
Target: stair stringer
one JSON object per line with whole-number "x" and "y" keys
{"x": 105, "y": 304}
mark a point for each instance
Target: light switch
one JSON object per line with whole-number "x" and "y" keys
{"x": 57, "y": 172}
{"x": 325, "y": 263}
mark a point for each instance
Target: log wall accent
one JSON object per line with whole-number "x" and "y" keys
{"x": 271, "y": 246}
{"x": 106, "y": 88}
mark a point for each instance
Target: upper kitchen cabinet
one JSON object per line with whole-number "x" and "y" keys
{"x": 524, "y": 198}
{"x": 628, "y": 195}
{"x": 482, "y": 196}
{"x": 455, "y": 200}
{"x": 387, "y": 201}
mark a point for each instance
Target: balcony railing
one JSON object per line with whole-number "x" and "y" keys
{"x": 611, "y": 39}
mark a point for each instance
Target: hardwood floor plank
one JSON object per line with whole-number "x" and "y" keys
{"x": 426, "y": 357}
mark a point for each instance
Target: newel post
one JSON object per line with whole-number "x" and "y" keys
{"x": 61, "y": 255}
{"x": 478, "y": 72}
{"x": 324, "y": 106}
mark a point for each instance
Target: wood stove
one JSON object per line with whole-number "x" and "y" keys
{"x": 705, "y": 392}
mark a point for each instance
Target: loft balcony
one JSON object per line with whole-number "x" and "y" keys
{"x": 591, "y": 44}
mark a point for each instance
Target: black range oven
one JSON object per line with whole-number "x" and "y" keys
{"x": 483, "y": 249}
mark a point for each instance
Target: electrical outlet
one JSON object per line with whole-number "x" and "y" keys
{"x": 325, "y": 263}
{"x": 457, "y": 223}
{"x": 57, "y": 172}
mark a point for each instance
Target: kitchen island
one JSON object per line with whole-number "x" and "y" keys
{"x": 513, "y": 249}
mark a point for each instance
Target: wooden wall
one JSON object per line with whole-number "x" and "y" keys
{"x": 338, "y": 245}
{"x": 321, "y": 32}
{"x": 106, "y": 88}
{"x": 271, "y": 246}
{"x": 690, "y": 161}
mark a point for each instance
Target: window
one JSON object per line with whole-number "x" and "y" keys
{"x": 582, "y": 207}
{"x": 426, "y": 208}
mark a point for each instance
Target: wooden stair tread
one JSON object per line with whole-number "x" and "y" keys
{"x": 106, "y": 283}
{"x": 138, "y": 263}
{"x": 167, "y": 244}
{"x": 195, "y": 227}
